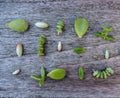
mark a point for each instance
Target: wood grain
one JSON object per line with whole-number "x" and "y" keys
{"x": 98, "y": 12}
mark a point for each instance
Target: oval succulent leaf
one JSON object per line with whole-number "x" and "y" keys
{"x": 106, "y": 54}
{"x": 41, "y": 25}
{"x": 59, "y": 46}
{"x": 19, "y": 49}
{"x": 57, "y": 74}
{"x": 81, "y": 73}
{"x": 19, "y": 25}
{"x": 79, "y": 50}
{"x": 16, "y": 72}
{"x": 81, "y": 26}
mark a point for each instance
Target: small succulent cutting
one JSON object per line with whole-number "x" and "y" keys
{"x": 16, "y": 72}
{"x": 81, "y": 26}
{"x": 19, "y": 25}
{"x": 107, "y": 54}
{"x": 103, "y": 74}
{"x": 19, "y": 49}
{"x": 40, "y": 78}
{"x": 57, "y": 74}
{"x": 81, "y": 73}
{"x": 59, "y": 48}
{"x": 41, "y": 49}
{"x": 59, "y": 27}
{"x": 41, "y": 25}
{"x": 105, "y": 33}
{"x": 79, "y": 50}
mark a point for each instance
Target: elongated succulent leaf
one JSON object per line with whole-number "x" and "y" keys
{"x": 81, "y": 73}
{"x": 79, "y": 50}
{"x": 36, "y": 77}
{"x": 19, "y": 49}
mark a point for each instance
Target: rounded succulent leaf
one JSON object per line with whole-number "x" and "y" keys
{"x": 81, "y": 26}
{"x": 19, "y": 25}
{"x": 57, "y": 74}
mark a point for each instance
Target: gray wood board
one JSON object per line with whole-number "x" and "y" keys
{"x": 98, "y": 12}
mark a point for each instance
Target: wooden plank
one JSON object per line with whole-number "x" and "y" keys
{"x": 97, "y": 12}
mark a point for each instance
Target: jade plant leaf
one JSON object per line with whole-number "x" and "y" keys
{"x": 19, "y": 25}
{"x": 57, "y": 74}
{"x": 81, "y": 26}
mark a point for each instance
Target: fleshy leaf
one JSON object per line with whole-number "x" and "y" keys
{"x": 81, "y": 26}
{"x": 79, "y": 50}
{"x": 81, "y": 73}
{"x": 57, "y": 74}
{"x": 19, "y": 25}
{"x": 36, "y": 77}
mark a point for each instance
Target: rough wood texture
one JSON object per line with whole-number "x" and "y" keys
{"x": 98, "y": 12}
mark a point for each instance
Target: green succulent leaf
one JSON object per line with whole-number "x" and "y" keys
{"x": 59, "y": 27}
{"x": 81, "y": 26}
{"x": 81, "y": 73}
{"x": 36, "y": 77}
{"x": 19, "y": 25}
{"x": 79, "y": 50}
{"x": 107, "y": 73}
{"x": 43, "y": 72}
{"x": 104, "y": 75}
{"x": 110, "y": 70}
{"x": 61, "y": 23}
{"x": 101, "y": 75}
{"x": 59, "y": 30}
{"x": 95, "y": 73}
{"x": 98, "y": 75}
{"x": 41, "y": 81}
{"x": 57, "y": 74}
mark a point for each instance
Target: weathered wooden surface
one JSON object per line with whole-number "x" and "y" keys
{"x": 98, "y": 12}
